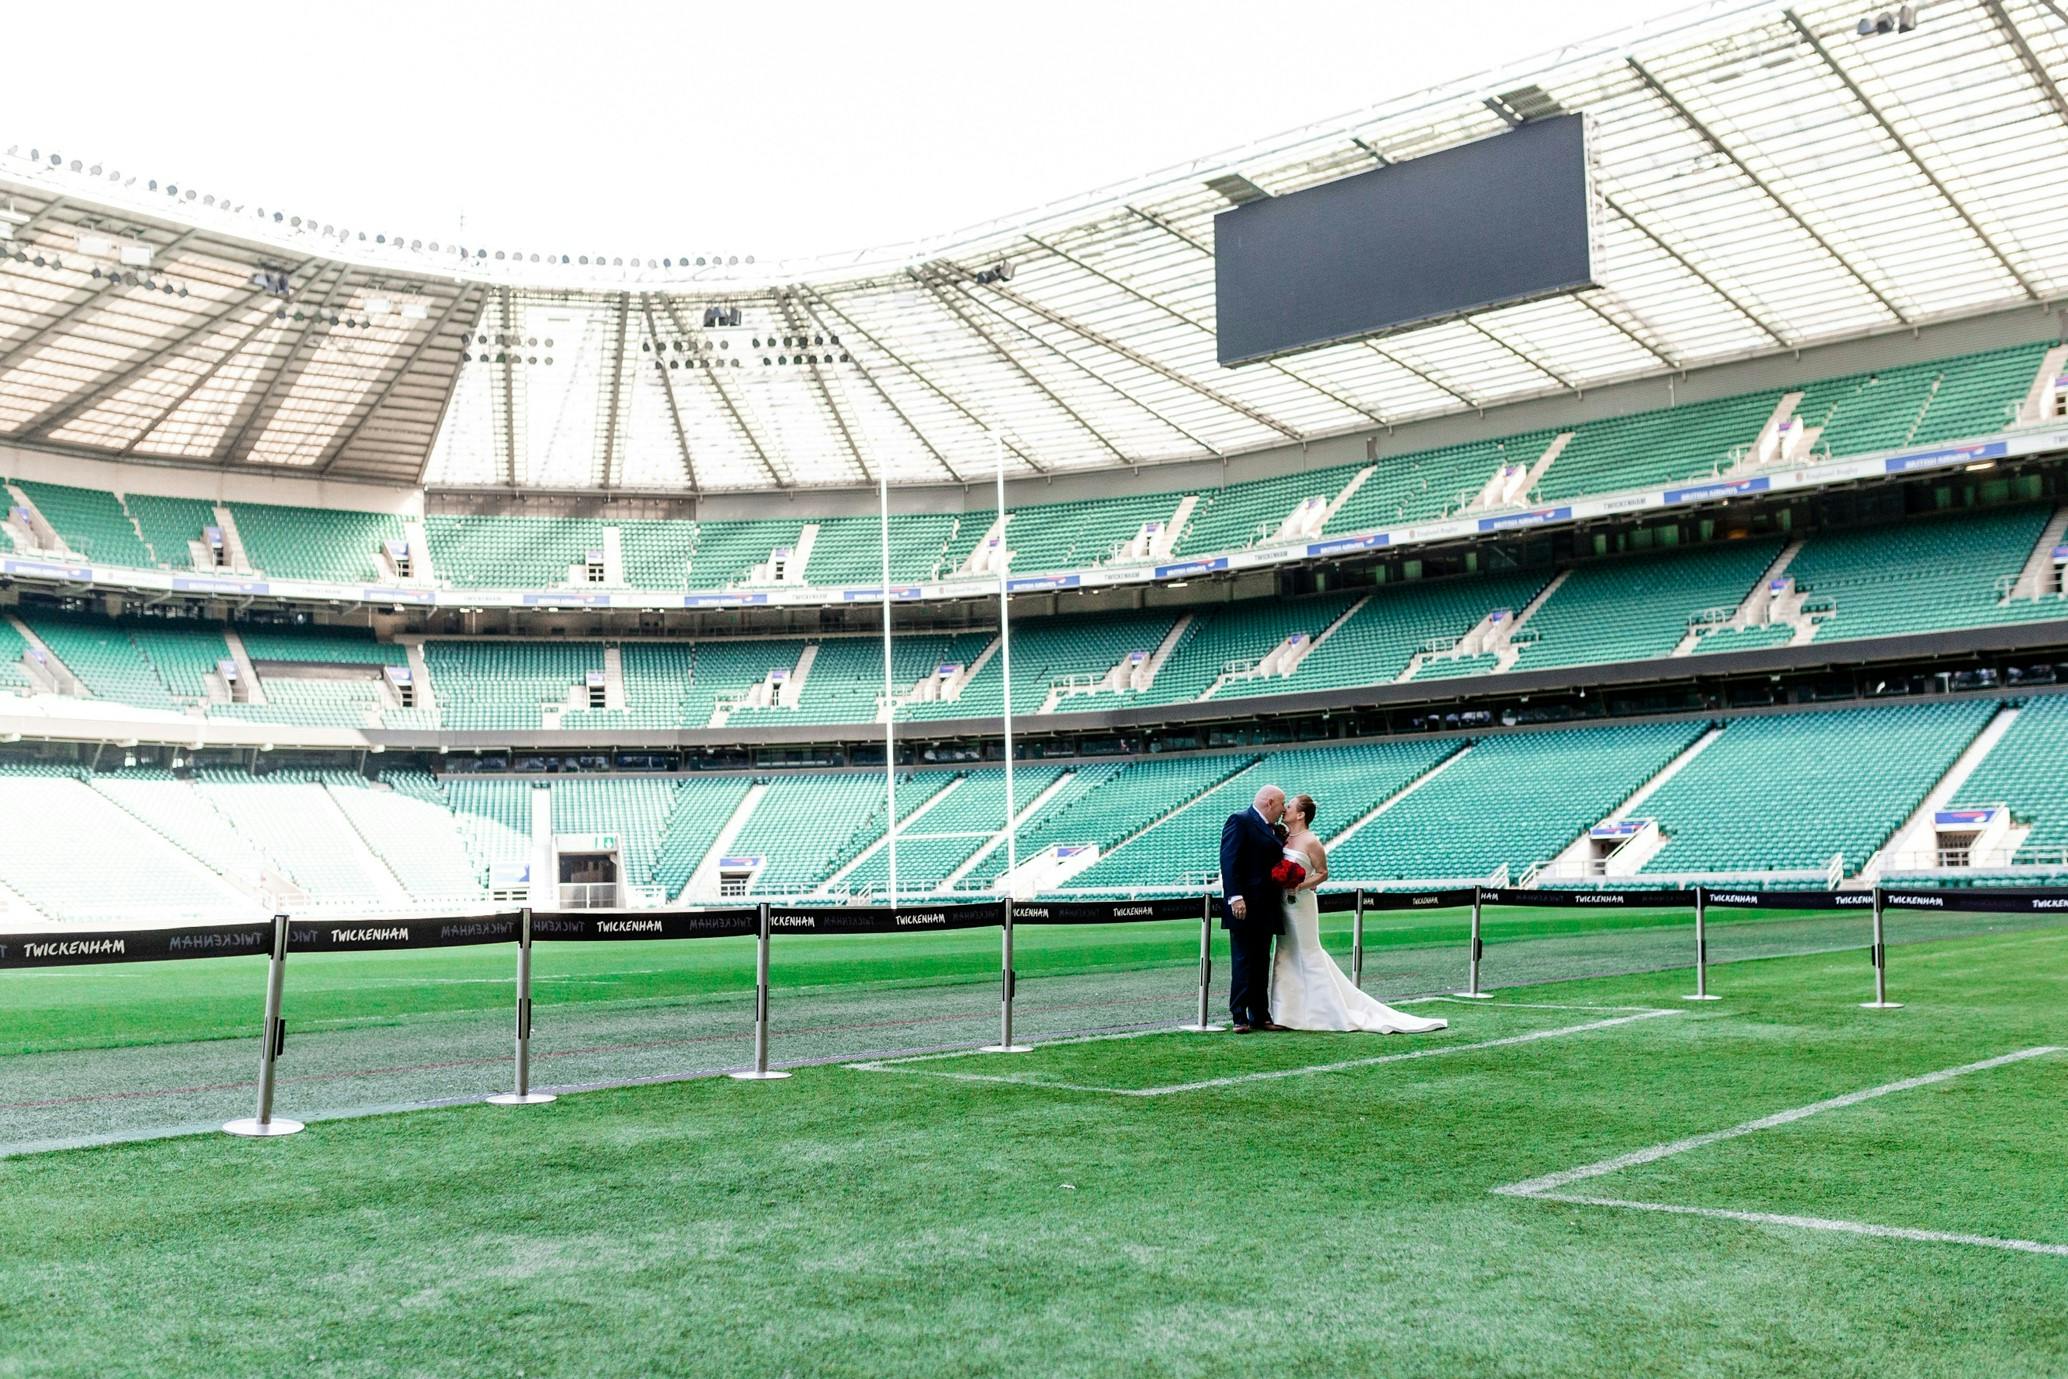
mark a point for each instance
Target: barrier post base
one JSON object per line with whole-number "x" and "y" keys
{"x": 1472, "y": 995}
{"x": 1201, "y": 1029}
{"x": 521, "y": 1098}
{"x": 763, "y": 1075}
{"x": 1006, "y": 1048}
{"x": 1701, "y": 996}
{"x": 1881, "y": 1005}
{"x": 252, "y": 1128}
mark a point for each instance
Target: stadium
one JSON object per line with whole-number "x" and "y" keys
{"x": 771, "y": 726}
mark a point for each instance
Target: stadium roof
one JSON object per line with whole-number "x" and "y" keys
{"x": 1767, "y": 178}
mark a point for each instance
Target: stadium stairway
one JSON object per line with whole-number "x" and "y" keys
{"x": 2035, "y": 580}
{"x": 1571, "y": 861}
{"x": 703, "y": 878}
{"x": 1916, "y": 835}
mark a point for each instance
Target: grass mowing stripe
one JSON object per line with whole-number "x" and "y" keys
{"x": 1551, "y": 1182}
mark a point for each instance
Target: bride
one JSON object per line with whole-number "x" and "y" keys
{"x": 1308, "y": 990}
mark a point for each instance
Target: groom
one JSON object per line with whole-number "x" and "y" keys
{"x": 1252, "y": 908}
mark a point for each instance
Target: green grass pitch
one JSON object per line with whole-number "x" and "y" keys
{"x": 1146, "y": 1203}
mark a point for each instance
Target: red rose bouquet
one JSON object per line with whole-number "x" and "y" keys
{"x": 1288, "y": 874}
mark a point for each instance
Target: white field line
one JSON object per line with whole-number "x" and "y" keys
{"x": 1552, "y": 1182}
{"x": 1812, "y": 1223}
{"x": 1547, "y": 1188}
{"x": 1269, "y": 1075}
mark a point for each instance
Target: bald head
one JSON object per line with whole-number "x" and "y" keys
{"x": 1270, "y": 803}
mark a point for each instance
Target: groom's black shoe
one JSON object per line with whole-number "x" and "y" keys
{"x": 1275, "y": 1027}
{"x": 1245, "y": 1029}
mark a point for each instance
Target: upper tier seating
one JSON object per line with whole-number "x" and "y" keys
{"x": 1511, "y": 799}
{"x": 91, "y": 521}
{"x": 1790, "y": 790}
{"x": 657, "y": 555}
{"x": 1692, "y": 441}
{"x": 168, "y": 524}
{"x": 1638, "y": 607}
{"x": 1919, "y": 404}
{"x": 2027, "y": 770}
{"x": 315, "y": 543}
{"x": 1065, "y": 536}
{"x": 1423, "y": 484}
{"x": 849, "y": 550}
{"x": 1242, "y": 515}
{"x": 511, "y": 552}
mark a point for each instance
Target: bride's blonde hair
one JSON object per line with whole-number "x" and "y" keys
{"x": 1306, "y": 807}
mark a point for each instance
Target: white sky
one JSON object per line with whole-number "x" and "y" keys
{"x": 773, "y": 129}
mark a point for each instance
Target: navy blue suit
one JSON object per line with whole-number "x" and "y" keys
{"x": 1249, "y": 849}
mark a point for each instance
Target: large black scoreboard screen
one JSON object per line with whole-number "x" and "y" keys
{"x": 1504, "y": 220}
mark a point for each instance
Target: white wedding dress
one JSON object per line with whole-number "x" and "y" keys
{"x": 1308, "y": 990}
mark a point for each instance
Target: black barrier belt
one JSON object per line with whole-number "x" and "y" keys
{"x": 1724, "y": 898}
{"x": 1590, "y": 900}
{"x": 133, "y": 945}
{"x": 672, "y": 924}
{"x": 882, "y": 919}
{"x": 1421, "y": 900}
{"x": 375, "y": 935}
{"x": 1993, "y": 902}
{"x": 1106, "y": 911}
{"x": 1335, "y": 902}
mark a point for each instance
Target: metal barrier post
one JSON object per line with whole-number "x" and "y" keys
{"x": 1879, "y": 953}
{"x": 521, "y": 1093}
{"x": 1473, "y": 993}
{"x": 1204, "y": 1025}
{"x": 761, "y": 1072}
{"x": 1007, "y": 987}
{"x": 263, "y": 1125}
{"x": 1701, "y": 949}
{"x": 1357, "y": 943}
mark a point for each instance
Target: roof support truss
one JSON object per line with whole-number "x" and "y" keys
{"x": 1709, "y": 137}
{"x": 292, "y": 360}
{"x": 948, "y": 299}
{"x": 78, "y": 307}
{"x": 1903, "y": 145}
{"x": 83, "y": 398}
{"x": 732, "y": 407}
{"x": 793, "y": 320}
{"x": 943, "y": 394}
{"x": 347, "y": 434}
{"x": 653, "y": 333}
{"x": 966, "y": 291}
